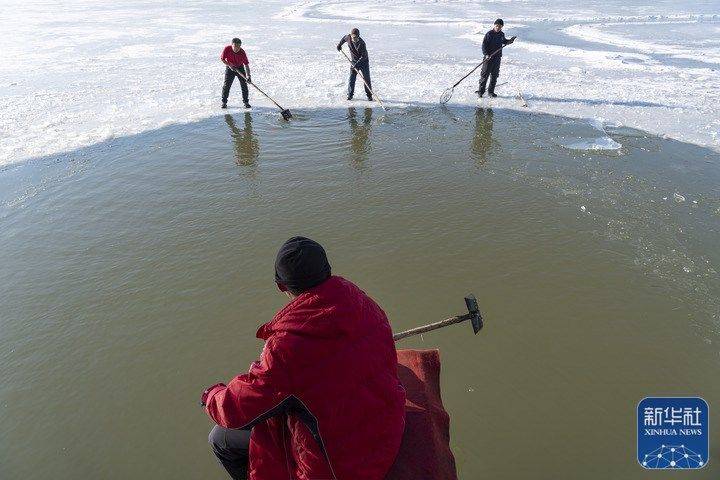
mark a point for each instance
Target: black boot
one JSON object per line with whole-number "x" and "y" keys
{"x": 492, "y": 94}
{"x": 247, "y": 105}
{"x": 349, "y": 97}
{"x": 480, "y": 93}
{"x": 224, "y": 105}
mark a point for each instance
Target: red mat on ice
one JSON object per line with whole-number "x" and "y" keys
{"x": 425, "y": 450}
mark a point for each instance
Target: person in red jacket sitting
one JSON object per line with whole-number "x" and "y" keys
{"x": 235, "y": 60}
{"x": 324, "y": 399}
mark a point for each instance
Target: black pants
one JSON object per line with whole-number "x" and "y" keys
{"x": 229, "y": 77}
{"x": 232, "y": 449}
{"x": 365, "y": 69}
{"x": 490, "y": 69}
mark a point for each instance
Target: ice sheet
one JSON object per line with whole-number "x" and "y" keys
{"x": 78, "y": 72}
{"x": 600, "y": 143}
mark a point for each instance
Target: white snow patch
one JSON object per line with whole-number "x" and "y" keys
{"x": 702, "y": 48}
{"x": 88, "y": 70}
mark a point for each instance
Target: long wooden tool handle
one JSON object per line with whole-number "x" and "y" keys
{"x": 432, "y": 326}
{"x": 258, "y": 89}
{"x": 479, "y": 65}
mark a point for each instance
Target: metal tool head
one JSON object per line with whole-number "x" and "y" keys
{"x": 286, "y": 114}
{"x": 446, "y": 95}
{"x": 476, "y": 318}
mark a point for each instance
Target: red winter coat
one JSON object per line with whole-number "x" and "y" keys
{"x": 330, "y": 351}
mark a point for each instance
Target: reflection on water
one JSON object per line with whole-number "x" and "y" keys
{"x": 482, "y": 141}
{"x": 245, "y": 143}
{"x": 360, "y": 135}
{"x": 596, "y": 274}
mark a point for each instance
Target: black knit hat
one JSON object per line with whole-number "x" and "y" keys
{"x": 301, "y": 264}
{"x": 499, "y": 21}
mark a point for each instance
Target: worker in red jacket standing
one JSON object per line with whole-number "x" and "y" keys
{"x": 324, "y": 399}
{"x": 236, "y": 65}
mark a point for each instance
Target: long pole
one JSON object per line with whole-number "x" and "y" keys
{"x": 283, "y": 111}
{"x": 485, "y": 60}
{"x": 362, "y": 77}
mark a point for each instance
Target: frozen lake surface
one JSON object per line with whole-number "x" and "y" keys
{"x": 78, "y": 72}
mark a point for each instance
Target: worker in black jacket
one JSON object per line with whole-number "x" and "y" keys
{"x": 360, "y": 61}
{"x": 494, "y": 40}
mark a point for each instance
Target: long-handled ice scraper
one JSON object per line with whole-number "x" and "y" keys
{"x": 473, "y": 315}
{"x": 362, "y": 77}
{"x": 448, "y": 93}
{"x": 283, "y": 111}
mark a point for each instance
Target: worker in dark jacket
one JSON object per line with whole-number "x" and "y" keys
{"x": 236, "y": 65}
{"x": 493, "y": 41}
{"x": 360, "y": 61}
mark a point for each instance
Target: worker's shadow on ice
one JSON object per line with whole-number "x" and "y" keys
{"x": 245, "y": 143}
{"x": 482, "y": 141}
{"x": 360, "y": 129}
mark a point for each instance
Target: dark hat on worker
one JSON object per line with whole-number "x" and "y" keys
{"x": 237, "y": 41}
{"x": 355, "y": 31}
{"x": 499, "y": 21}
{"x": 301, "y": 264}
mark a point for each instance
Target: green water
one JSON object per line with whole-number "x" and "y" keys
{"x": 134, "y": 273}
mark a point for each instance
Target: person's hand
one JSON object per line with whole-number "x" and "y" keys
{"x": 512, "y": 39}
{"x": 339, "y": 48}
{"x": 206, "y": 393}
{"x": 249, "y": 79}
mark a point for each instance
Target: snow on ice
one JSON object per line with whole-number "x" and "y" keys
{"x": 82, "y": 71}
